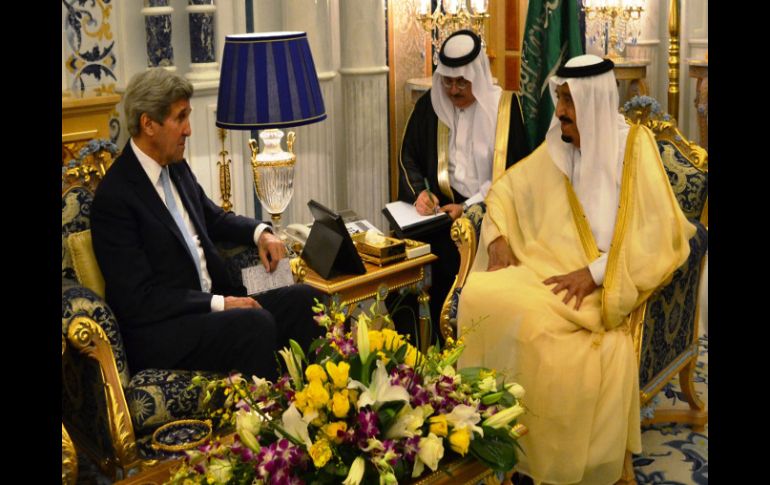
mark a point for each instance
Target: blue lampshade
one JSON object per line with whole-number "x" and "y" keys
{"x": 268, "y": 80}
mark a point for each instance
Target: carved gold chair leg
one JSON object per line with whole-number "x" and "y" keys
{"x": 627, "y": 477}
{"x": 69, "y": 459}
{"x": 696, "y": 416}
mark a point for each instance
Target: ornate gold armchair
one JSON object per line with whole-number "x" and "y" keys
{"x": 109, "y": 412}
{"x": 665, "y": 327}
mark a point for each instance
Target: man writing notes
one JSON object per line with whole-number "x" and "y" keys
{"x": 449, "y": 143}
{"x": 575, "y": 237}
{"x": 154, "y": 231}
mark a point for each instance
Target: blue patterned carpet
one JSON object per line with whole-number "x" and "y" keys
{"x": 673, "y": 454}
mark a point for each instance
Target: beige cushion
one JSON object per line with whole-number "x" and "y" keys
{"x": 84, "y": 261}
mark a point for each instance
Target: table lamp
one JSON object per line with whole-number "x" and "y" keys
{"x": 268, "y": 81}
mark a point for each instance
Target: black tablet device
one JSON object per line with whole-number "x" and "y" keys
{"x": 329, "y": 250}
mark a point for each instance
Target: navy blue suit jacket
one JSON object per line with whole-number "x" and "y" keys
{"x": 151, "y": 282}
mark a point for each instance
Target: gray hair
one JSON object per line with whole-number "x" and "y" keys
{"x": 153, "y": 92}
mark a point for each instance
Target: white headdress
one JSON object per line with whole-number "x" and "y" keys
{"x": 603, "y": 133}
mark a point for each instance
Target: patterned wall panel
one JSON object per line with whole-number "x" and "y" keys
{"x": 88, "y": 56}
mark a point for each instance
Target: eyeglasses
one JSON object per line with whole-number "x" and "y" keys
{"x": 459, "y": 83}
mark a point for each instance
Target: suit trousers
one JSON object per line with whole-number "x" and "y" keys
{"x": 247, "y": 340}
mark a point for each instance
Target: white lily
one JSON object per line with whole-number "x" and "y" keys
{"x": 504, "y": 417}
{"x": 291, "y": 365}
{"x": 380, "y": 390}
{"x": 464, "y": 416}
{"x": 294, "y": 425}
{"x": 431, "y": 450}
{"x": 408, "y": 422}
{"x": 362, "y": 338}
{"x": 248, "y": 424}
{"x": 515, "y": 389}
{"x": 356, "y": 472}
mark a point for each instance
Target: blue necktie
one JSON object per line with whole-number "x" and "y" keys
{"x": 172, "y": 207}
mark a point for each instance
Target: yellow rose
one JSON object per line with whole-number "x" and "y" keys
{"x": 375, "y": 340}
{"x": 438, "y": 425}
{"x": 340, "y": 404}
{"x": 321, "y": 453}
{"x": 392, "y": 340}
{"x": 315, "y": 372}
{"x": 352, "y": 396}
{"x": 317, "y": 394}
{"x": 460, "y": 440}
{"x": 331, "y": 429}
{"x": 339, "y": 373}
{"x": 411, "y": 356}
{"x": 300, "y": 400}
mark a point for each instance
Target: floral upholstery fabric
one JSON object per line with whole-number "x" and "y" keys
{"x": 237, "y": 258}
{"x": 75, "y": 213}
{"x": 690, "y": 184}
{"x": 669, "y": 323}
{"x": 475, "y": 213}
{"x": 80, "y": 301}
{"x": 157, "y": 396}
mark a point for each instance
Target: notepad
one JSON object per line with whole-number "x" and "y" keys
{"x": 257, "y": 280}
{"x": 409, "y": 223}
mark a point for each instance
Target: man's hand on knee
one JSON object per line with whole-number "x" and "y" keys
{"x": 578, "y": 283}
{"x": 271, "y": 250}
{"x": 240, "y": 302}
{"x": 500, "y": 255}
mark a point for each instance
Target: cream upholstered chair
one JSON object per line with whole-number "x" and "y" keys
{"x": 109, "y": 412}
{"x": 665, "y": 327}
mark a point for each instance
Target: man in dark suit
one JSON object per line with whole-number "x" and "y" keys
{"x": 154, "y": 230}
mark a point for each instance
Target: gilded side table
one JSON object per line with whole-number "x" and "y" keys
{"x": 410, "y": 273}
{"x": 634, "y": 71}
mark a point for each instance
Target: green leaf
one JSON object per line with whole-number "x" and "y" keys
{"x": 315, "y": 345}
{"x": 388, "y": 412}
{"x": 497, "y": 450}
{"x": 507, "y": 400}
{"x": 400, "y": 354}
{"x": 366, "y": 369}
{"x": 470, "y": 374}
{"x": 297, "y": 349}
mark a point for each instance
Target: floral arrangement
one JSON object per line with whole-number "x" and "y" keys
{"x": 361, "y": 406}
{"x": 645, "y": 103}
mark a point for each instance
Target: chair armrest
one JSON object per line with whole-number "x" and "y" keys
{"x": 87, "y": 338}
{"x": 463, "y": 233}
{"x": 670, "y": 320}
{"x": 94, "y": 406}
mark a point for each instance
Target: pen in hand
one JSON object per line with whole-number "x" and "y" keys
{"x": 430, "y": 195}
